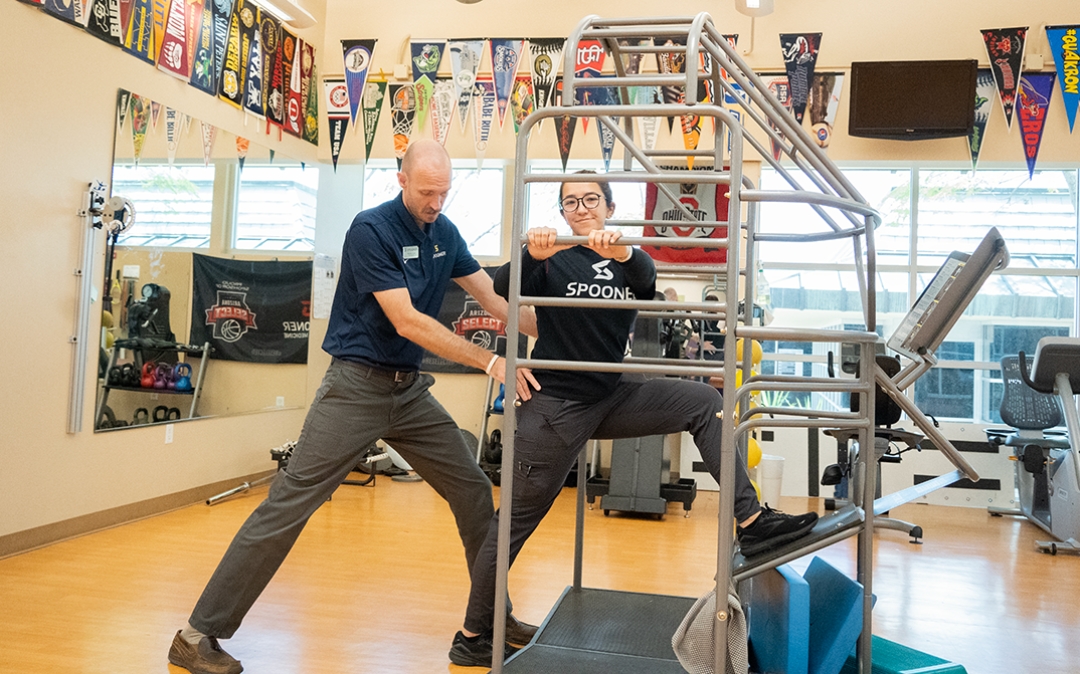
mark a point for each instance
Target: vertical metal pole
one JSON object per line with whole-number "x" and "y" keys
{"x": 579, "y": 533}
{"x": 80, "y": 341}
{"x": 867, "y": 467}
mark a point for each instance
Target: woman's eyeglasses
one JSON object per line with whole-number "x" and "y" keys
{"x": 571, "y": 204}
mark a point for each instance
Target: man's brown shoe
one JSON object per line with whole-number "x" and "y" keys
{"x": 517, "y": 632}
{"x": 205, "y": 658}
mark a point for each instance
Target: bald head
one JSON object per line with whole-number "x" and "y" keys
{"x": 425, "y": 180}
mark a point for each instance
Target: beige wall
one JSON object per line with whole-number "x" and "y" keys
{"x": 56, "y": 117}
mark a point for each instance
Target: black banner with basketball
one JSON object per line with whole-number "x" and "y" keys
{"x": 463, "y": 316}
{"x": 252, "y": 311}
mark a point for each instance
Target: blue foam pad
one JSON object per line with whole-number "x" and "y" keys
{"x": 835, "y": 617}
{"x": 778, "y": 617}
{"x": 890, "y": 657}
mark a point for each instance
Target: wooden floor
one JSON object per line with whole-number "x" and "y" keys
{"x": 377, "y": 584}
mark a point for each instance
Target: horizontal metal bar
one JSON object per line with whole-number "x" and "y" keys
{"x": 811, "y": 238}
{"x": 658, "y": 30}
{"x": 652, "y": 49}
{"x": 599, "y": 303}
{"x": 711, "y": 224}
{"x": 681, "y": 315}
{"x": 807, "y": 197}
{"x": 690, "y": 269}
{"x": 672, "y": 177}
{"x": 597, "y": 22}
{"x": 680, "y": 153}
{"x": 807, "y": 335}
{"x": 676, "y": 367}
{"x": 802, "y": 412}
{"x": 660, "y": 241}
{"x": 673, "y": 80}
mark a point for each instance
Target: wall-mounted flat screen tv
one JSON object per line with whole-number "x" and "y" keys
{"x": 912, "y": 100}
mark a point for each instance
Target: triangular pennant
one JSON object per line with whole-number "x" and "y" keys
{"x": 564, "y": 128}
{"x": 522, "y": 99}
{"x": 402, "y": 114}
{"x": 1067, "y": 60}
{"x": 272, "y": 155}
{"x": 290, "y": 46}
{"x": 193, "y": 16}
{"x": 823, "y": 103}
{"x": 546, "y": 56}
{"x": 425, "y": 60}
{"x": 484, "y": 115}
{"x": 273, "y": 95}
{"x": 125, "y": 16}
{"x": 155, "y": 114}
{"x": 202, "y": 65}
{"x": 140, "y": 120}
{"x": 669, "y": 63}
{"x": 63, "y": 9}
{"x": 159, "y": 9}
{"x": 242, "y": 147}
{"x": 607, "y": 141}
{"x": 139, "y": 40}
{"x": 294, "y": 105}
{"x": 338, "y": 108}
{"x": 209, "y": 133}
{"x": 733, "y": 41}
{"x": 172, "y": 56}
{"x": 465, "y": 58}
{"x": 443, "y": 102}
{"x": 1035, "y": 92}
{"x": 1005, "y": 47}
{"x": 505, "y": 57}
{"x": 173, "y": 127}
{"x": 800, "y": 52}
{"x": 231, "y": 74}
{"x": 357, "y": 55}
{"x": 221, "y": 11}
{"x": 123, "y": 104}
{"x": 648, "y": 127}
{"x": 984, "y": 94}
{"x": 103, "y": 21}
{"x": 372, "y": 105}
{"x": 779, "y": 88}
{"x": 590, "y": 63}
{"x": 311, "y": 109}
{"x": 253, "y": 82}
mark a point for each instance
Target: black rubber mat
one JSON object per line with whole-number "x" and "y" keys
{"x": 602, "y": 631}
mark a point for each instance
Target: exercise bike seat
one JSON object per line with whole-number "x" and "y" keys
{"x": 1023, "y": 407}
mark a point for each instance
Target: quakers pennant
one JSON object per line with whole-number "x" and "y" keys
{"x": 505, "y": 58}
{"x": 1034, "y": 97}
{"x": 984, "y": 95}
{"x": 800, "y": 51}
{"x": 242, "y": 147}
{"x": 465, "y": 58}
{"x": 1005, "y": 47}
{"x": 139, "y": 40}
{"x": 486, "y": 102}
{"x": 426, "y": 57}
{"x": 590, "y": 63}
{"x": 443, "y": 102}
{"x": 824, "y": 101}
{"x": 358, "y": 55}
{"x": 1067, "y": 60}
{"x": 670, "y": 63}
{"x": 338, "y": 109}
{"x": 545, "y": 56}
{"x": 522, "y": 101}
{"x": 371, "y": 108}
{"x": 402, "y": 114}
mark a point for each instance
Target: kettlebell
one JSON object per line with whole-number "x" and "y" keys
{"x": 182, "y": 375}
{"x": 160, "y": 375}
{"x": 147, "y": 380}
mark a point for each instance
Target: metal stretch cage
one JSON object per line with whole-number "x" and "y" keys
{"x": 814, "y": 180}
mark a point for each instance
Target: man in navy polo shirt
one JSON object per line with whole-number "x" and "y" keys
{"x": 395, "y": 266}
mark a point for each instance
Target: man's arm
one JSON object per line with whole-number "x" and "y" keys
{"x": 479, "y": 285}
{"x": 427, "y": 332}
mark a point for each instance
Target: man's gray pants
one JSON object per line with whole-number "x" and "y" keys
{"x": 355, "y": 406}
{"x": 550, "y": 434}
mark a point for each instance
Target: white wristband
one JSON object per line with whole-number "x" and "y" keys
{"x": 491, "y": 364}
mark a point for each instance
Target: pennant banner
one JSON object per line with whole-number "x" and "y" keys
{"x": 778, "y": 87}
{"x": 732, "y": 103}
{"x": 290, "y": 82}
{"x": 402, "y": 114}
{"x": 1035, "y": 92}
{"x": 443, "y": 102}
{"x": 338, "y": 107}
{"x": 172, "y": 57}
{"x": 203, "y": 75}
{"x": 372, "y": 105}
{"x": 823, "y": 103}
{"x": 1005, "y": 47}
{"x": 522, "y": 102}
{"x": 800, "y": 52}
{"x": 103, "y": 20}
{"x": 647, "y": 126}
{"x": 669, "y": 63}
{"x": 564, "y": 127}
{"x": 173, "y": 127}
{"x": 63, "y": 9}
{"x": 253, "y": 81}
{"x": 139, "y": 40}
{"x": 193, "y": 10}
{"x": 242, "y": 147}
{"x": 486, "y": 102}
{"x": 706, "y": 202}
{"x": 505, "y": 56}
{"x": 311, "y": 107}
{"x": 140, "y": 120}
{"x": 590, "y": 63}
{"x": 231, "y": 72}
{"x": 1067, "y": 59}
{"x": 546, "y": 60}
{"x": 273, "y": 96}
{"x": 123, "y": 104}
{"x": 155, "y": 114}
{"x": 209, "y": 134}
{"x": 426, "y": 57}
{"x": 357, "y": 55}
{"x": 984, "y": 94}
{"x": 465, "y": 58}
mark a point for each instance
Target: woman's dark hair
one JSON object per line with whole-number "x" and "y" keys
{"x": 605, "y": 187}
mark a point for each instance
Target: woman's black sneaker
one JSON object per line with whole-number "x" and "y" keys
{"x": 475, "y": 651}
{"x": 772, "y": 529}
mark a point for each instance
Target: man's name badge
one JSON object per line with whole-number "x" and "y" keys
{"x": 410, "y": 252}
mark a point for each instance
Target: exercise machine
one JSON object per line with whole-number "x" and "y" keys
{"x": 1047, "y": 467}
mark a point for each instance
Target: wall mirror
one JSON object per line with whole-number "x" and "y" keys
{"x": 195, "y": 190}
